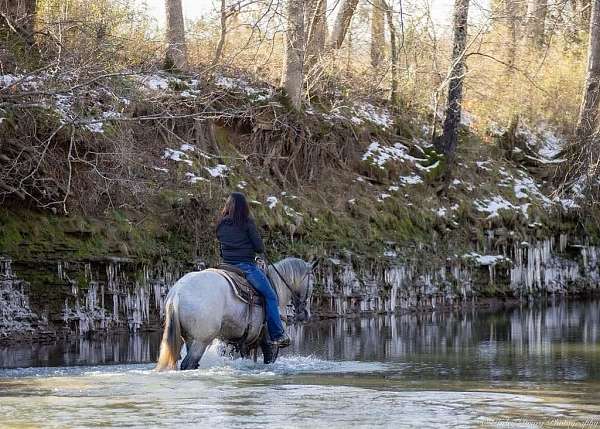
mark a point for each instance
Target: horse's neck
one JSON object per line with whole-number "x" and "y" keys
{"x": 283, "y": 293}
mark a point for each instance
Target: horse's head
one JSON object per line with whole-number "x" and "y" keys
{"x": 295, "y": 278}
{"x": 304, "y": 288}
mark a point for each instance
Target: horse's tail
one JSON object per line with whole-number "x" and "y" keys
{"x": 170, "y": 346}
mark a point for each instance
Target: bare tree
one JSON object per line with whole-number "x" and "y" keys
{"x": 317, "y": 29}
{"x": 222, "y": 35}
{"x": 512, "y": 29}
{"x": 537, "y": 21}
{"x": 342, "y": 22}
{"x": 393, "y": 51}
{"x": 176, "y": 47}
{"x": 293, "y": 64}
{"x": 377, "y": 33}
{"x": 588, "y": 112}
{"x": 18, "y": 17}
{"x": 448, "y": 141}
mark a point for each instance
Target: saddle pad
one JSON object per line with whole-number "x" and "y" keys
{"x": 241, "y": 288}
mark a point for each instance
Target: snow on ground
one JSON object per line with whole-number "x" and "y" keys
{"x": 378, "y": 154}
{"x": 443, "y": 211}
{"x": 367, "y": 112}
{"x": 526, "y": 187}
{"x": 291, "y": 212}
{"x": 272, "y": 201}
{"x": 192, "y": 178}
{"x": 258, "y": 94}
{"x": 154, "y": 82}
{"x": 383, "y": 197}
{"x": 491, "y": 206}
{"x": 176, "y": 155}
{"x": 219, "y": 170}
{"x": 413, "y": 179}
{"x": 485, "y": 260}
{"x": 483, "y": 164}
{"x": 551, "y": 145}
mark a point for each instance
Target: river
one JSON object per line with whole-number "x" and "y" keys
{"x": 529, "y": 366}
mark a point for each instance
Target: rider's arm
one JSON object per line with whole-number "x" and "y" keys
{"x": 255, "y": 237}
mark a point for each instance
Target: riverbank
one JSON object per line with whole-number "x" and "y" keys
{"x": 355, "y": 184}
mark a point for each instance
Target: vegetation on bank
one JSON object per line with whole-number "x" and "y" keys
{"x": 106, "y": 154}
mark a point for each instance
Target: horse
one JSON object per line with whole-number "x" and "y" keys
{"x": 202, "y": 306}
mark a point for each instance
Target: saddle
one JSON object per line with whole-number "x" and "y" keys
{"x": 240, "y": 286}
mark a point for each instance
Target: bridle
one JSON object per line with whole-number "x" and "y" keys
{"x": 299, "y": 302}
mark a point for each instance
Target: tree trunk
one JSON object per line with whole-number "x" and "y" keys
{"x": 512, "y": 29}
{"x": 342, "y": 22}
{"x": 537, "y": 22}
{"x": 449, "y": 139}
{"x": 176, "y": 48}
{"x": 18, "y": 17}
{"x": 293, "y": 64}
{"x": 585, "y": 13}
{"x": 317, "y": 30}
{"x": 377, "y": 33}
{"x": 588, "y": 112}
{"x": 393, "y": 52}
{"x": 223, "y": 35}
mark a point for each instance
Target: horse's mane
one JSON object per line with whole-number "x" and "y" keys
{"x": 292, "y": 269}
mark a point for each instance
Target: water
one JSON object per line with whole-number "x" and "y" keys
{"x": 524, "y": 367}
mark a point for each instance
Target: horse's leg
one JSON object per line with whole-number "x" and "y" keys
{"x": 194, "y": 354}
{"x": 269, "y": 351}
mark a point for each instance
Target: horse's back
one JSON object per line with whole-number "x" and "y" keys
{"x": 202, "y": 299}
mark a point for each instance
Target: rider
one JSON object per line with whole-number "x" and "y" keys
{"x": 240, "y": 242}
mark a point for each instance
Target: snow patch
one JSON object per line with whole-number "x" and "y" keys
{"x": 219, "y": 170}
{"x": 272, "y": 201}
{"x": 493, "y": 205}
{"x": 485, "y": 260}
{"x": 258, "y": 94}
{"x": 413, "y": 179}
{"x": 176, "y": 155}
{"x": 376, "y": 115}
{"x": 378, "y": 154}
{"x": 193, "y": 179}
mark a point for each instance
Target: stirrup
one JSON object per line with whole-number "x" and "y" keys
{"x": 282, "y": 342}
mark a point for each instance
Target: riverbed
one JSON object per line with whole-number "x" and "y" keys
{"x": 528, "y": 366}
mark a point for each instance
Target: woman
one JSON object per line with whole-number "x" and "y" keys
{"x": 240, "y": 242}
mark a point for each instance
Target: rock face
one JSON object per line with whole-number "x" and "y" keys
{"x": 16, "y": 316}
{"x": 116, "y": 294}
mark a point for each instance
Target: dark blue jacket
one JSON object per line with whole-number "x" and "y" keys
{"x": 239, "y": 243}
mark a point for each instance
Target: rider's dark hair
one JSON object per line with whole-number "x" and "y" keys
{"x": 236, "y": 208}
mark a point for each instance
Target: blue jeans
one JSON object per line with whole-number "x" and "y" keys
{"x": 261, "y": 283}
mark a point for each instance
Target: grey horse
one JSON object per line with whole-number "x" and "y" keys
{"x": 201, "y": 306}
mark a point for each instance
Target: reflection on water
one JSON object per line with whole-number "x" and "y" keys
{"x": 470, "y": 369}
{"x": 561, "y": 341}
{"x": 83, "y": 351}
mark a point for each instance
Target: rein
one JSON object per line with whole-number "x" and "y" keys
{"x": 296, "y": 299}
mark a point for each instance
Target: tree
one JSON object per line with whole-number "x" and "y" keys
{"x": 18, "y": 17}
{"x": 393, "y": 52}
{"x": 537, "y": 21}
{"x": 512, "y": 29}
{"x": 377, "y": 33}
{"x": 317, "y": 30}
{"x": 342, "y": 22}
{"x": 293, "y": 64}
{"x": 588, "y": 112}
{"x": 176, "y": 47}
{"x": 448, "y": 141}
